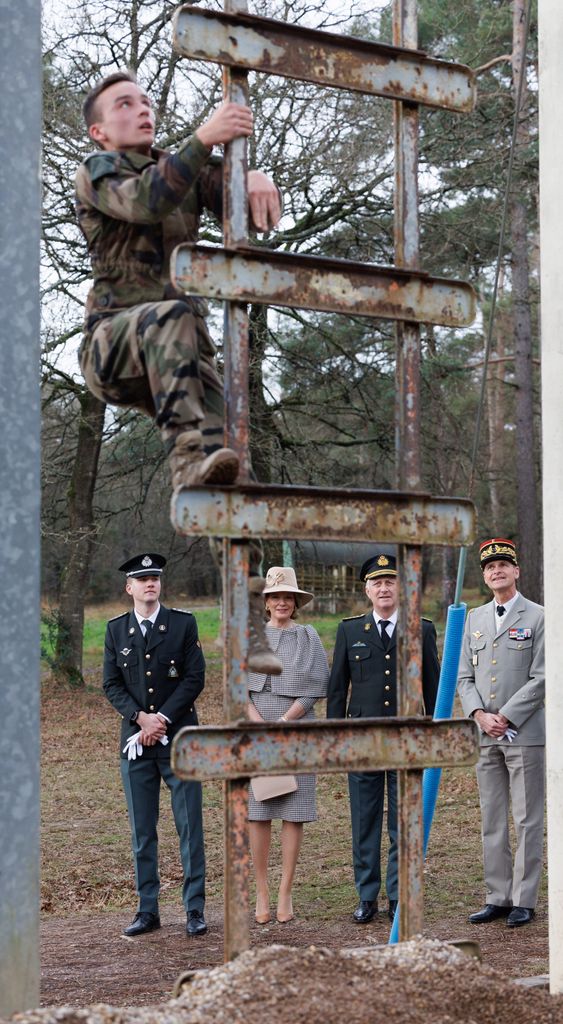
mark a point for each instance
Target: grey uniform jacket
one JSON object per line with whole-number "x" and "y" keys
{"x": 504, "y": 672}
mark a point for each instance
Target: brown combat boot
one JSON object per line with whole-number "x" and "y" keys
{"x": 261, "y": 657}
{"x": 190, "y": 466}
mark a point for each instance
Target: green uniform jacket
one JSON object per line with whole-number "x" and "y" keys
{"x": 133, "y": 211}
{"x": 361, "y": 661}
{"x": 167, "y": 675}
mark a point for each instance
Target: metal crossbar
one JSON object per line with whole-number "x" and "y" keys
{"x": 238, "y": 274}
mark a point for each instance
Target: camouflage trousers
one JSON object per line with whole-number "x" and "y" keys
{"x": 159, "y": 358}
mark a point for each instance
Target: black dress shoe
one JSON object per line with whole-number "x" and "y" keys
{"x": 519, "y": 916}
{"x": 196, "y": 923}
{"x": 490, "y": 912}
{"x": 365, "y": 911}
{"x": 392, "y": 909}
{"x": 143, "y": 922}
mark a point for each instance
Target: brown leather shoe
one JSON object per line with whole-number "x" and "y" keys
{"x": 190, "y": 467}
{"x": 261, "y": 657}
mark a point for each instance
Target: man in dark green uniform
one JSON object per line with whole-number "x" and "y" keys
{"x": 365, "y": 657}
{"x": 153, "y": 672}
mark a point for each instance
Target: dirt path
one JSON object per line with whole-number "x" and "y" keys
{"x": 85, "y": 959}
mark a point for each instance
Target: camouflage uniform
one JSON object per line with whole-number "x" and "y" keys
{"x": 146, "y": 344}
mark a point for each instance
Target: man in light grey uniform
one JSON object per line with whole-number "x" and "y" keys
{"x": 502, "y": 685}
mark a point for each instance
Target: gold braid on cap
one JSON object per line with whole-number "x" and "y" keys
{"x": 498, "y": 550}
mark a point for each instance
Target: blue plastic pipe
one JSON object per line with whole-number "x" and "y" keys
{"x": 444, "y": 707}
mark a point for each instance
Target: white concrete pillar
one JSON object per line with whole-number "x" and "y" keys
{"x": 550, "y": 13}
{"x": 20, "y": 140}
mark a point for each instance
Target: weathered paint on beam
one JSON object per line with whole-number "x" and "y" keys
{"x": 366, "y": 744}
{"x": 324, "y": 58}
{"x": 315, "y": 282}
{"x": 276, "y": 512}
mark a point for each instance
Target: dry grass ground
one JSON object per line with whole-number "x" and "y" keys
{"x": 87, "y": 880}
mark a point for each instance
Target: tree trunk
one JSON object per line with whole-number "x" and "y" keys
{"x": 70, "y": 626}
{"x": 527, "y": 496}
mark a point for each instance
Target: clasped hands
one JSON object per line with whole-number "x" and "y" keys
{"x": 153, "y": 730}
{"x": 495, "y": 725}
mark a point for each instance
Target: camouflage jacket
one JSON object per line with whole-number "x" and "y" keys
{"x": 133, "y": 210}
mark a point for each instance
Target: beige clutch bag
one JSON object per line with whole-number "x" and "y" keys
{"x": 266, "y": 787}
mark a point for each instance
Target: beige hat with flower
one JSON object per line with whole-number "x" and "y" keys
{"x": 282, "y": 579}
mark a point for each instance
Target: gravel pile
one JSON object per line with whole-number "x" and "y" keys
{"x": 419, "y": 982}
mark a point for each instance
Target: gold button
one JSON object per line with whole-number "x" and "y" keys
{"x": 151, "y": 690}
{"x": 387, "y": 657}
{"x": 148, "y": 672}
{"x": 493, "y": 662}
{"x": 147, "y": 656}
{"x": 493, "y": 679}
{"x": 387, "y": 687}
{"x": 386, "y": 703}
{"x": 124, "y": 664}
{"x": 172, "y": 661}
{"x": 387, "y": 672}
{"x": 495, "y": 645}
{"x": 519, "y": 647}
{"x": 357, "y": 657}
{"x": 151, "y": 707}
{"x": 492, "y": 696}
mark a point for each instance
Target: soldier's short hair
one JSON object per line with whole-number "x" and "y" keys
{"x": 89, "y": 105}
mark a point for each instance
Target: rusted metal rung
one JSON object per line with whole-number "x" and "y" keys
{"x": 324, "y": 58}
{"x": 273, "y": 511}
{"x": 365, "y": 744}
{"x": 315, "y": 282}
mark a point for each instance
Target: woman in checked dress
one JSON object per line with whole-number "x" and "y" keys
{"x": 286, "y": 698}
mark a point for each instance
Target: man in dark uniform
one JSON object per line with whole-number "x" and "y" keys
{"x": 365, "y": 656}
{"x": 153, "y": 672}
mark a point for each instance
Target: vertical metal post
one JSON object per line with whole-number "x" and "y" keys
{"x": 405, "y": 33}
{"x": 235, "y": 555}
{"x": 20, "y": 134}
{"x": 550, "y": 15}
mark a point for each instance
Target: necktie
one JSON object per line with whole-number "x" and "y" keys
{"x": 148, "y": 627}
{"x": 500, "y": 609}
{"x": 383, "y": 623}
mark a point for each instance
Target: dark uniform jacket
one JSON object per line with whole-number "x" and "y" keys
{"x": 167, "y": 675}
{"x": 361, "y": 660}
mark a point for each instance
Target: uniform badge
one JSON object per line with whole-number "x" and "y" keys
{"x": 162, "y": 628}
{"x": 146, "y": 561}
{"x": 126, "y": 651}
{"x": 172, "y": 672}
{"x": 477, "y": 634}
{"x": 132, "y": 631}
{"x": 382, "y": 560}
{"x": 359, "y": 643}
{"x": 367, "y": 626}
{"x": 519, "y": 634}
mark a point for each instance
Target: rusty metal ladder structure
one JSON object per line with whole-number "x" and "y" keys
{"x": 239, "y": 274}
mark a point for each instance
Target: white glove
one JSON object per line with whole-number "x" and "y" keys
{"x": 510, "y": 735}
{"x": 134, "y": 749}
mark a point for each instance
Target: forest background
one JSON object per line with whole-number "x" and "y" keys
{"x": 322, "y": 387}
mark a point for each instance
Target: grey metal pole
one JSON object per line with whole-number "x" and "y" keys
{"x": 550, "y": 16}
{"x": 20, "y": 135}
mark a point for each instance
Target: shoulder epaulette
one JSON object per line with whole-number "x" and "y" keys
{"x": 115, "y": 617}
{"x": 100, "y": 164}
{"x": 183, "y": 611}
{"x": 349, "y": 618}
